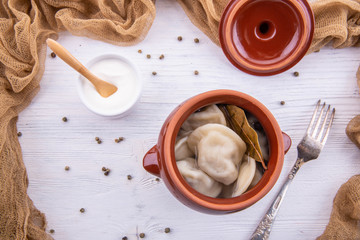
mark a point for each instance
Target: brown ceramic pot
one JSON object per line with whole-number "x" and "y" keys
{"x": 266, "y": 37}
{"x": 160, "y": 160}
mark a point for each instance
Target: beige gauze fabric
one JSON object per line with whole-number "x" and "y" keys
{"x": 345, "y": 215}
{"x": 24, "y": 27}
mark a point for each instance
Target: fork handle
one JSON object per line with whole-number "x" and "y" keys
{"x": 262, "y": 231}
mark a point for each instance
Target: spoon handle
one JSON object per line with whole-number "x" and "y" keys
{"x": 66, "y": 56}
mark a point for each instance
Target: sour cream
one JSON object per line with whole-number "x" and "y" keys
{"x": 121, "y": 73}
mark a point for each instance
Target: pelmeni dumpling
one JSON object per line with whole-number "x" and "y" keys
{"x": 249, "y": 176}
{"x": 256, "y": 179}
{"x": 219, "y": 151}
{"x": 246, "y": 175}
{"x": 182, "y": 133}
{"x": 182, "y": 149}
{"x": 198, "y": 179}
{"x": 209, "y": 114}
{"x": 227, "y": 191}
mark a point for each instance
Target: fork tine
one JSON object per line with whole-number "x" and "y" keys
{"x": 316, "y": 128}
{"x": 323, "y": 125}
{"x": 313, "y": 117}
{"x": 328, "y": 128}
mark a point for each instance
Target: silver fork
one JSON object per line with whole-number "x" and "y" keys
{"x": 308, "y": 149}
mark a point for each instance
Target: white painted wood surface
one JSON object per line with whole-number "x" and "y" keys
{"x": 116, "y": 207}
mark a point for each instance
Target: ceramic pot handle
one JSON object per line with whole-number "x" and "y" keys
{"x": 151, "y": 161}
{"x": 287, "y": 142}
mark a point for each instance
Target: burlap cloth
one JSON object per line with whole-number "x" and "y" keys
{"x": 24, "y": 26}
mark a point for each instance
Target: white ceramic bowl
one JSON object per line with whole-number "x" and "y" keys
{"x": 118, "y": 111}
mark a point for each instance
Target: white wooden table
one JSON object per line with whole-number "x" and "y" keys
{"x": 116, "y": 207}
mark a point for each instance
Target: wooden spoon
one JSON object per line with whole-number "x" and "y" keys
{"x": 105, "y": 89}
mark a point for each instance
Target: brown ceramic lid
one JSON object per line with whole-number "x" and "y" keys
{"x": 266, "y": 37}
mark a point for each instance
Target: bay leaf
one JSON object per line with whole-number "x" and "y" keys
{"x": 238, "y": 122}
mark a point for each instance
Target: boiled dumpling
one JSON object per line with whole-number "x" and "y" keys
{"x": 198, "y": 179}
{"x": 209, "y": 114}
{"x": 227, "y": 191}
{"x": 182, "y": 133}
{"x": 246, "y": 175}
{"x": 256, "y": 179}
{"x": 219, "y": 151}
{"x": 182, "y": 149}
